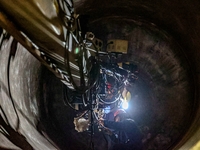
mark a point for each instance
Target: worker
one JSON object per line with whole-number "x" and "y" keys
{"x": 129, "y": 135}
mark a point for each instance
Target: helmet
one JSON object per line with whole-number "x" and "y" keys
{"x": 120, "y": 112}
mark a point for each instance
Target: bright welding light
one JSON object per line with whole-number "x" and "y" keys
{"x": 125, "y": 104}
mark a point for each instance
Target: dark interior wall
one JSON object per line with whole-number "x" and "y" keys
{"x": 178, "y": 21}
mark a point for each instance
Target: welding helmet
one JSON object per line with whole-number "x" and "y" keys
{"x": 121, "y": 113}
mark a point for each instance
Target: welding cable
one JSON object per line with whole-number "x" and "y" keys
{"x": 82, "y": 114}
{"x": 83, "y": 51}
{"x": 66, "y": 57}
{"x": 96, "y": 117}
{"x": 84, "y": 99}
{"x": 67, "y": 63}
{"x": 66, "y": 97}
{"x": 108, "y": 103}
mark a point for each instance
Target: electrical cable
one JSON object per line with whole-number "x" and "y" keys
{"x": 108, "y": 103}
{"x": 84, "y": 99}
{"x": 66, "y": 60}
{"x": 67, "y": 63}
{"x": 83, "y": 90}
{"x": 83, "y": 113}
{"x": 117, "y": 96}
{"x": 13, "y": 48}
{"x": 66, "y": 98}
{"x": 92, "y": 125}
